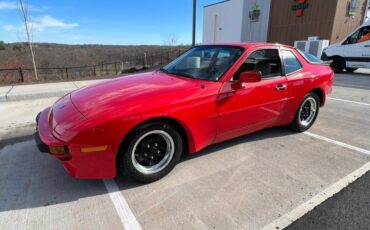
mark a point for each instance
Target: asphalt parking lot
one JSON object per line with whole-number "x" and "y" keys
{"x": 263, "y": 180}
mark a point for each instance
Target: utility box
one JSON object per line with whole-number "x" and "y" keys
{"x": 312, "y": 46}
{"x": 236, "y": 21}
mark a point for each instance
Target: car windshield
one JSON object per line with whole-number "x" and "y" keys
{"x": 310, "y": 58}
{"x": 204, "y": 62}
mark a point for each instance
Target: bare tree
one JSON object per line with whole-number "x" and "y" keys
{"x": 27, "y": 24}
{"x": 171, "y": 40}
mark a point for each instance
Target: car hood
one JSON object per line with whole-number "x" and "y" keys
{"x": 128, "y": 93}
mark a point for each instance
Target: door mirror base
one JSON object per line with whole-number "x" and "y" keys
{"x": 247, "y": 77}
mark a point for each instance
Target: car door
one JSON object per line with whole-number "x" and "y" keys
{"x": 356, "y": 49}
{"x": 259, "y": 104}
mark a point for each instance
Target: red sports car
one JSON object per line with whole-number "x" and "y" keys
{"x": 140, "y": 125}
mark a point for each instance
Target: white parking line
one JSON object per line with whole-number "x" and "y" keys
{"x": 128, "y": 219}
{"x": 344, "y": 100}
{"x": 364, "y": 151}
{"x": 304, "y": 208}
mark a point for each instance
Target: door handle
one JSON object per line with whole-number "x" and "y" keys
{"x": 280, "y": 87}
{"x": 367, "y": 46}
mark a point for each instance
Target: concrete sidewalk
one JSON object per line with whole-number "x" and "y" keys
{"x": 38, "y": 91}
{"x": 48, "y": 90}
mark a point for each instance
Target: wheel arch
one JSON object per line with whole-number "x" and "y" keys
{"x": 184, "y": 133}
{"x": 320, "y": 93}
{"x": 336, "y": 56}
{"x": 331, "y": 57}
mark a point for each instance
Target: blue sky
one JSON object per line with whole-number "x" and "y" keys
{"x": 103, "y": 22}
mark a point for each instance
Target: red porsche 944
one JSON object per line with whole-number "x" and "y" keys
{"x": 140, "y": 125}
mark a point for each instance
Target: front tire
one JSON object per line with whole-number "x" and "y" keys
{"x": 150, "y": 152}
{"x": 351, "y": 70}
{"x": 307, "y": 113}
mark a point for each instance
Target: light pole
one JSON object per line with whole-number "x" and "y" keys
{"x": 367, "y": 8}
{"x": 194, "y": 20}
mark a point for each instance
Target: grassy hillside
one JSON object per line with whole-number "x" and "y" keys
{"x": 14, "y": 55}
{"x": 59, "y": 62}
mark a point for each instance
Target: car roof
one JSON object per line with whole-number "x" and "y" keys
{"x": 249, "y": 44}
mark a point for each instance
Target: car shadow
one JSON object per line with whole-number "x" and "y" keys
{"x": 11, "y": 141}
{"x": 31, "y": 179}
{"x": 257, "y": 136}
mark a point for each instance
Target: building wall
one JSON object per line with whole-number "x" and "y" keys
{"x": 227, "y": 26}
{"x": 343, "y": 23}
{"x": 317, "y": 20}
{"x": 228, "y": 21}
{"x": 257, "y": 30}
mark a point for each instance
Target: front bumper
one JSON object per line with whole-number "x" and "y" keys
{"x": 40, "y": 145}
{"x": 44, "y": 138}
{"x": 324, "y": 57}
{"x": 98, "y": 165}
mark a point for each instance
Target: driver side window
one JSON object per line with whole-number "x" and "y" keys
{"x": 265, "y": 61}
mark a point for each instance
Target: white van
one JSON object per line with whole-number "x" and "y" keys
{"x": 352, "y": 53}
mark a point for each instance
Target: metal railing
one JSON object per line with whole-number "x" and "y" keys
{"x": 21, "y": 75}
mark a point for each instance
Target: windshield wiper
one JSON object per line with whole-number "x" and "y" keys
{"x": 178, "y": 74}
{"x": 184, "y": 75}
{"x": 163, "y": 70}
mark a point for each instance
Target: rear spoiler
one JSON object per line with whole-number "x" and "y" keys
{"x": 327, "y": 62}
{"x": 324, "y": 60}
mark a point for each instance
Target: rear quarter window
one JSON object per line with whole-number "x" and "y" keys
{"x": 291, "y": 62}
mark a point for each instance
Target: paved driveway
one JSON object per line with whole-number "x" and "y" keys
{"x": 259, "y": 180}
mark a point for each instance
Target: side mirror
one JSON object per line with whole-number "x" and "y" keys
{"x": 250, "y": 76}
{"x": 247, "y": 77}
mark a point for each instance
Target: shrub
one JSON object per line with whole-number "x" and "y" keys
{"x": 2, "y": 45}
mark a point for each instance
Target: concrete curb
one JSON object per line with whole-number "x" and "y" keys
{"x": 40, "y": 91}
{"x": 35, "y": 96}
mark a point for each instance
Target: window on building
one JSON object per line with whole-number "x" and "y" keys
{"x": 291, "y": 63}
{"x": 265, "y": 61}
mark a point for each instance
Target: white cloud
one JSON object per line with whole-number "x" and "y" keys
{"x": 11, "y": 28}
{"x": 48, "y": 21}
{"x": 7, "y": 5}
{"x": 38, "y": 9}
{"x": 4, "y": 5}
{"x": 43, "y": 23}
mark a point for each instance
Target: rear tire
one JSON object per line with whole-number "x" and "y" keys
{"x": 307, "y": 113}
{"x": 338, "y": 64}
{"x": 150, "y": 152}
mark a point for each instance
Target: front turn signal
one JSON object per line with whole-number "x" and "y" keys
{"x": 58, "y": 150}
{"x": 94, "y": 149}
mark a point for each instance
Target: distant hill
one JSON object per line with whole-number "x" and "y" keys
{"x": 49, "y": 55}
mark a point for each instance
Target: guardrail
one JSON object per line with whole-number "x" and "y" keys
{"x": 127, "y": 65}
